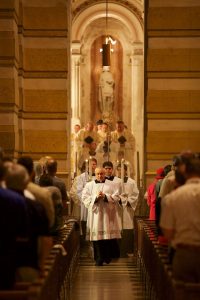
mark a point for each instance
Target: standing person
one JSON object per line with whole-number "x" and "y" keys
{"x": 41, "y": 194}
{"x": 86, "y": 142}
{"x": 101, "y": 198}
{"x": 108, "y": 166}
{"x": 13, "y": 225}
{"x": 86, "y": 136}
{"x": 59, "y": 183}
{"x": 126, "y": 142}
{"x": 32, "y": 251}
{"x": 79, "y": 209}
{"x": 151, "y": 194}
{"x": 180, "y": 224}
{"x": 129, "y": 201}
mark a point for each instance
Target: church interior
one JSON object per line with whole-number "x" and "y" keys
{"x": 52, "y": 61}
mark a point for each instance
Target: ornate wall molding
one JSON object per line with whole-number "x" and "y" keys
{"x": 131, "y": 7}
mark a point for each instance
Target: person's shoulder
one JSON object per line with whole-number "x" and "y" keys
{"x": 6, "y": 194}
{"x": 131, "y": 180}
{"x": 38, "y": 191}
{"x": 58, "y": 180}
{"x": 89, "y": 184}
{"x": 55, "y": 193}
{"x": 117, "y": 180}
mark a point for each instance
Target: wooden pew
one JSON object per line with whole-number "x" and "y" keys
{"x": 59, "y": 270}
{"x": 155, "y": 267}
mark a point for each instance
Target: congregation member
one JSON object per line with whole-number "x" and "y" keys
{"x": 128, "y": 200}
{"x": 174, "y": 179}
{"x": 101, "y": 198}
{"x": 41, "y": 194}
{"x": 13, "y": 226}
{"x": 51, "y": 166}
{"x": 151, "y": 193}
{"x": 31, "y": 251}
{"x": 47, "y": 182}
{"x": 180, "y": 224}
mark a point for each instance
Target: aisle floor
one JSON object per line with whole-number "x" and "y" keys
{"x": 120, "y": 280}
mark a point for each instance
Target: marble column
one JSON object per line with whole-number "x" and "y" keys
{"x": 137, "y": 108}
{"x": 75, "y": 85}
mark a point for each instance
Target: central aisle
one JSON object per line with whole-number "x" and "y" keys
{"x": 119, "y": 280}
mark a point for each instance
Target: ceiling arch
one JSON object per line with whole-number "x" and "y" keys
{"x": 119, "y": 15}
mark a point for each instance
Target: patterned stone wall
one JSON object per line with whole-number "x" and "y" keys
{"x": 35, "y": 84}
{"x": 172, "y": 80}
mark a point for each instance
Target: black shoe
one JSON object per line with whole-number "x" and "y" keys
{"x": 107, "y": 260}
{"x": 99, "y": 263}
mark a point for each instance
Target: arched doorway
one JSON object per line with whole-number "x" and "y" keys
{"x": 125, "y": 24}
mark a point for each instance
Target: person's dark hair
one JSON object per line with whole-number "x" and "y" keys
{"x": 183, "y": 158}
{"x": 45, "y": 180}
{"x": 27, "y": 162}
{"x": 193, "y": 167}
{"x": 52, "y": 166}
{"x": 99, "y": 122}
{"x": 167, "y": 169}
{"x": 94, "y": 159}
{"x": 108, "y": 164}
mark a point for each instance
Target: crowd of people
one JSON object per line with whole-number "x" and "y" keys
{"x": 32, "y": 212}
{"x": 105, "y": 205}
{"x": 174, "y": 201}
{"x": 105, "y": 197}
{"x": 99, "y": 141}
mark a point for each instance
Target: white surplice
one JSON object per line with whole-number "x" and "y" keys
{"x": 129, "y": 198}
{"x": 79, "y": 209}
{"x": 102, "y": 222}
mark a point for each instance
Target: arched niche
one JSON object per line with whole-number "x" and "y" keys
{"x": 126, "y": 26}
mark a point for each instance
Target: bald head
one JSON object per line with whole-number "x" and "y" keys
{"x": 16, "y": 178}
{"x": 100, "y": 174}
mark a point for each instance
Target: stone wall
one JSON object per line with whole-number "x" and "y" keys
{"x": 172, "y": 80}
{"x": 35, "y": 83}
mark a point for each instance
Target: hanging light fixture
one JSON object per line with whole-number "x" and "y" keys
{"x": 106, "y": 47}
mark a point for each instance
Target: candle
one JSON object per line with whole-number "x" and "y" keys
{"x": 90, "y": 167}
{"x": 128, "y": 170}
{"x": 122, "y": 170}
{"x": 75, "y": 167}
{"x": 116, "y": 169}
{"x": 86, "y": 166}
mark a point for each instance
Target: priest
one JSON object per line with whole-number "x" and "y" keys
{"x": 101, "y": 198}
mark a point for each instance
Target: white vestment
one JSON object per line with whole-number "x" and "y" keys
{"x": 102, "y": 222}
{"x": 79, "y": 209}
{"x": 126, "y": 150}
{"x": 129, "y": 198}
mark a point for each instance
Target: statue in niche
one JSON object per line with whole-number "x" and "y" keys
{"x": 106, "y": 92}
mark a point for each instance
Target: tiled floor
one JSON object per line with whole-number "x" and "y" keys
{"x": 120, "y": 280}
